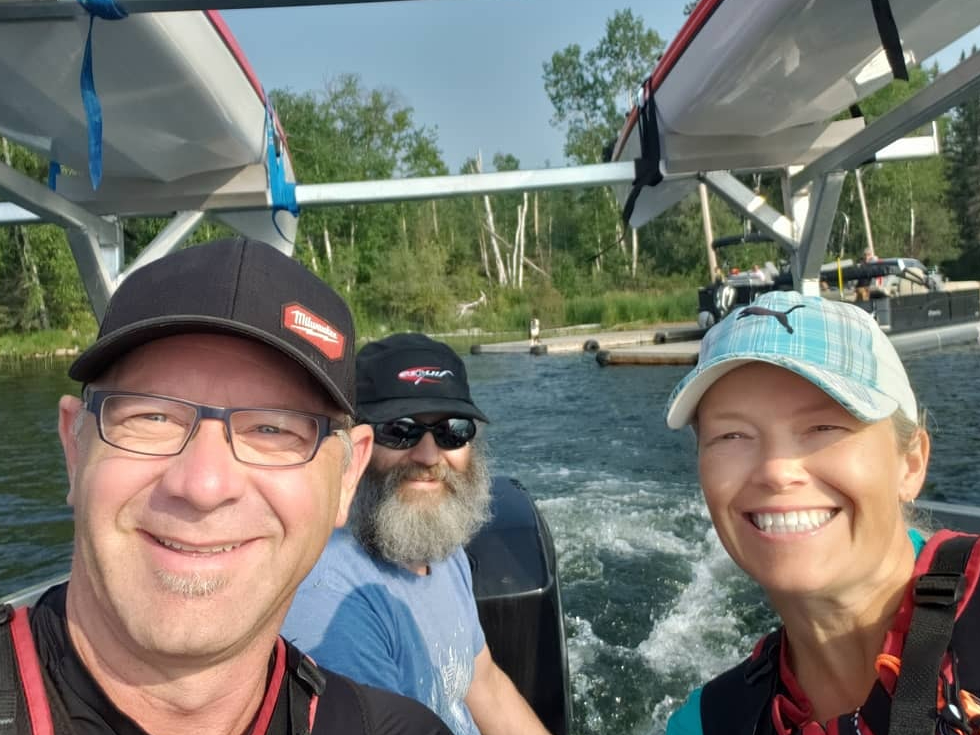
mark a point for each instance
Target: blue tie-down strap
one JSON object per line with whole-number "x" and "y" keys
{"x": 283, "y": 192}
{"x": 108, "y": 10}
{"x": 54, "y": 168}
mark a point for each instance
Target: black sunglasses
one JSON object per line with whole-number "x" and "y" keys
{"x": 451, "y": 433}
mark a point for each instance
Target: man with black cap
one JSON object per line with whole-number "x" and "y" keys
{"x": 390, "y": 602}
{"x": 209, "y": 457}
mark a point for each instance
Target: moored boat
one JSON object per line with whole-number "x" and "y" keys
{"x": 902, "y": 293}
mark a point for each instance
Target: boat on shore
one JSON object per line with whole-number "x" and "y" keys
{"x": 749, "y": 87}
{"x": 901, "y": 293}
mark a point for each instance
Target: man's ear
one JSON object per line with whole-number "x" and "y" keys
{"x": 362, "y": 440}
{"x": 916, "y": 462}
{"x": 70, "y": 418}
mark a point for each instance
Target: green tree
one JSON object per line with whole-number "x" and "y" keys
{"x": 590, "y": 91}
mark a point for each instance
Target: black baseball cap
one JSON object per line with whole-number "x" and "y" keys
{"x": 235, "y": 286}
{"x": 410, "y": 374}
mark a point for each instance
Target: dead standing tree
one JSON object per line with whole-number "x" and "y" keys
{"x": 491, "y": 228}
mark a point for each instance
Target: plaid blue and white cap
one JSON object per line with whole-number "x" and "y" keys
{"x": 835, "y": 345}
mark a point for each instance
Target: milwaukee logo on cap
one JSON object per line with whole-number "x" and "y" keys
{"x": 418, "y": 375}
{"x": 318, "y": 332}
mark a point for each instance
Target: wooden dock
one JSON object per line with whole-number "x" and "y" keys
{"x": 664, "y": 353}
{"x": 686, "y": 352}
{"x": 595, "y": 342}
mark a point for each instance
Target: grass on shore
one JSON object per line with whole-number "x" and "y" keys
{"x": 509, "y": 315}
{"x": 507, "y": 319}
{"x": 44, "y": 343}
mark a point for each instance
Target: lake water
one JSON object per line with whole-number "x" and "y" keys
{"x": 652, "y": 604}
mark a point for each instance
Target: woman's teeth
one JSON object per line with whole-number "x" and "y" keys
{"x": 794, "y": 521}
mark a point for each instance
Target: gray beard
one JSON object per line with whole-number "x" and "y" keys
{"x": 414, "y": 534}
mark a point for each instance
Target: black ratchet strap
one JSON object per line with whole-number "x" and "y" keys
{"x": 891, "y": 41}
{"x": 647, "y": 166}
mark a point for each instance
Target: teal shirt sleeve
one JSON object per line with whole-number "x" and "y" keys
{"x": 918, "y": 541}
{"x": 687, "y": 720}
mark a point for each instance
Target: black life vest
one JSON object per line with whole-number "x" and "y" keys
{"x": 739, "y": 702}
{"x": 29, "y": 706}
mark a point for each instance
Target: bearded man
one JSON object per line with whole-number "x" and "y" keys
{"x": 390, "y": 603}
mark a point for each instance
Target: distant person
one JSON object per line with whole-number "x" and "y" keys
{"x": 868, "y": 256}
{"x": 810, "y": 450}
{"x": 534, "y": 331}
{"x": 391, "y": 602}
{"x": 209, "y": 457}
{"x": 862, "y": 289}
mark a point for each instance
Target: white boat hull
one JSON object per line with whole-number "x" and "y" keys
{"x": 184, "y": 118}
{"x": 751, "y": 85}
{"x": 175, "y": 100}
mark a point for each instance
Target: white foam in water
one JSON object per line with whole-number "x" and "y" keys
{"x": 699, "y": 636}
{"x": 625, "y": 517}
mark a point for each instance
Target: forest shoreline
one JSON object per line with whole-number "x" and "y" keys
{"x": 65, "y": 344}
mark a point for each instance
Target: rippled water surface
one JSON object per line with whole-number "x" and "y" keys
{"x": 653, "y": 606}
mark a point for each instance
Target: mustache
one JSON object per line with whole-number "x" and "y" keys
{"x": 419, "y": 472}
{"x": 417, "y": 532}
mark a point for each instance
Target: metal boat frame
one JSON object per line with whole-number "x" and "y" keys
{"x": 811, "y": 192}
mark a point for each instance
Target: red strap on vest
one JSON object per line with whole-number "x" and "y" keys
{"x": 38, "y": 708}
{"x": 272, "y": 691}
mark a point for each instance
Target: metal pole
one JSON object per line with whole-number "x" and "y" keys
{"x": 708, "y": 235}
{"x": 864, "y": 213}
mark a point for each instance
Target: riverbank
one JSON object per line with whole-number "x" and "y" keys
{"x": 613, "y": 312}
{"x": 48, "y": 343}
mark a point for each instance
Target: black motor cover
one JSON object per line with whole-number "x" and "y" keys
{"x": 515, "y": 581}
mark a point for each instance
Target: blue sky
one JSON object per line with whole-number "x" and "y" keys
{"x": 471, "y": 68}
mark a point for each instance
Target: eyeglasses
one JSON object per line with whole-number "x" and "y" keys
{"x": 451, "y": 433}
{"x": 159, "y": 426}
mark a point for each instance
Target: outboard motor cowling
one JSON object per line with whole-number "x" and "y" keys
{"x": 515, "y": 582}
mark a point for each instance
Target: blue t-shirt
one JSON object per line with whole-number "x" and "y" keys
{"x": 687, "y": 719}
{"x": 386, "y": 626}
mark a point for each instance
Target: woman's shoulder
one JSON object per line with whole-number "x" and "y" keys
{"x": 736, "y": 697}
{"x": 687, "y": 719}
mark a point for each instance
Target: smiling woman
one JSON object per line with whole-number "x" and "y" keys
{"x": 808, "y": 450}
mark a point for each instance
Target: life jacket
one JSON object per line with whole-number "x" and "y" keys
{"x": 938, "y": 674}
{"x": 26, "y": 709}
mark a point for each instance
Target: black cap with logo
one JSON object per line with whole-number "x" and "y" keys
{"x": 411, "y": 374}
{"x": 239, "y": 287}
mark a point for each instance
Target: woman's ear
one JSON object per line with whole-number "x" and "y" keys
{"x": 916, "y": 459}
